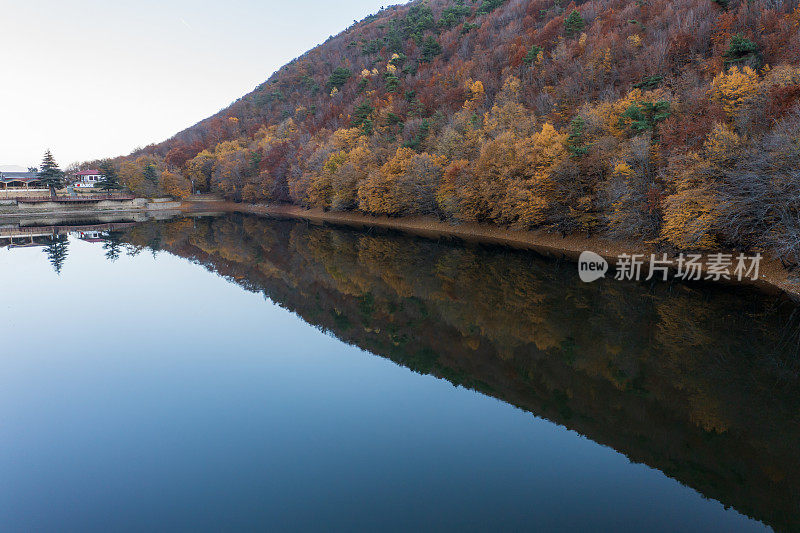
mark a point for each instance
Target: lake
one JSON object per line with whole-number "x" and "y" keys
{"x": 235, "y": 372}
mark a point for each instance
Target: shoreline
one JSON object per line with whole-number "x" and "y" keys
{"x": 773, "y": 277}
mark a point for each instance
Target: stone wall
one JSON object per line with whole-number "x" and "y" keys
{"x": 103, "y": 205}
{"x": 163, "y": 204}
{"x": 10, "y": 194}
{"x": 14, "y": 207}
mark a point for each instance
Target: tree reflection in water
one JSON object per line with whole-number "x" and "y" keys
{"x": 698, "y": 381}
{"x": 56, "y": 250}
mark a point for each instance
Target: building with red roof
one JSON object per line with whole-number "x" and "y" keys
{"x": 87, "y": 179}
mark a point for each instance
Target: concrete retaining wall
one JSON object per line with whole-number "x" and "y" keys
{"x": 163, "y": 204}
{"x": 10, "y": 194}
{"x": 103, "y": 205}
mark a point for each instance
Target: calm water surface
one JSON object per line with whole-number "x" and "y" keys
{"x": 243, "y": 373}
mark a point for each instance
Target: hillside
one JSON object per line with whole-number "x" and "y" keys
{"x": 676, "y": 122}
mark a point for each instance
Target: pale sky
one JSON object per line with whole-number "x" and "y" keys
{"x": 91, "y": 79}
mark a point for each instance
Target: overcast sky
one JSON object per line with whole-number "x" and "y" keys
{"x": 90, "y": 79}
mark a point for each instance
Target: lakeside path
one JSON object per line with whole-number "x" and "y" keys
{"x": 773, "y": 277}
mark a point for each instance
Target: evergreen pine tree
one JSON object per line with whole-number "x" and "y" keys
{"x": 532, "y": 55}
{"x": 574, "y": 23}
{"x": 150, "y": 173}
{"x": 742, "y": 50}
{"x": 430, "y": 49}
{"x": 110, "y": 178}
{"x": 49, "y": 174}
{"x": 575, "y": 141}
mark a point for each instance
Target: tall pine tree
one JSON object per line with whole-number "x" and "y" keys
{"x": 110, "y": 178}
{"x": 150, "y": 174}
{"x": 49, "y": 174}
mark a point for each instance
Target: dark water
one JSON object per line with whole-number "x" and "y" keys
{"x": 243, "y": 373}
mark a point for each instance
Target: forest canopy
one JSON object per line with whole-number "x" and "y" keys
{"x": 675, "y": 122}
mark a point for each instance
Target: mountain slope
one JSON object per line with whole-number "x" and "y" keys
{"x": 674, "y": 121}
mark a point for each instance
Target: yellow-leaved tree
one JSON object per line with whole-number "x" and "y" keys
{"x": 141, "y": 175}
{"x": 404, "y": 185}
{"x": 321, "y": 190}
{"x": 379, "y": 193}
{"x": 199, "y": 170}
{"x": 232, "y": 167}
{"x": 457, "y": 195}
{"x": 508, "y": 113}
{"x": 531, "y": 193}
{"x": 496, "y": 166}
{"x": 735, "y": 90}
{"x": 348, "y": 173}
{"x": 691, "y": 212}
{"x": 477, "y": 95}
{"x": 175, "y": 184}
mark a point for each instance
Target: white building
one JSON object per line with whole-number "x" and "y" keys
{"x": 89, "y": 235}
{"x": 87, "y": 179}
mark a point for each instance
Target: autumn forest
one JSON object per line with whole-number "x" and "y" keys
{"x": 675, "y": 123}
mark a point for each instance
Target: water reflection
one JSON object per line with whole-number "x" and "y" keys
{"x": 56, "y": 251}
{"x": 112, "y": 244}
{"x": 52, "y": 235}
{"x": 698, "y": 381}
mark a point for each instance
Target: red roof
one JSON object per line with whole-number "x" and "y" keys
{"x": 88, "y": 173}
